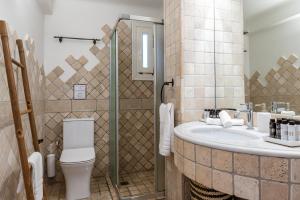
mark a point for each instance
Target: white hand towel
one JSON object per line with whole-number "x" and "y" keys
{"x": 263, "y": 120}
{"x": 36, "y": 161}
{"x": 237, "y": 122}
{"x": 166, "y": 115}
{"x": 225, "y": 119}
{"x": 213, "y": 121}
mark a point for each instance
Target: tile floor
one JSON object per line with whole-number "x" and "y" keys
{"x": 101, "y": 189}
{"x": 139, "y": 183}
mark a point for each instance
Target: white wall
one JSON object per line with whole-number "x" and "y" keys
{"x": 268, "y": 46}
{"x": 273, "y": 34}
{"x": 84, "y": 18}
{"x": 26, "y": 17}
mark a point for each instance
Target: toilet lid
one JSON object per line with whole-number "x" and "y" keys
{"x": 77, "y": 155}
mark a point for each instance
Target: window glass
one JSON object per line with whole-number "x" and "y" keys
{"x": 145, "y": 50}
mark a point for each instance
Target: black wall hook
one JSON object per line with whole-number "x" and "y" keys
{"x": 162, "y": 89}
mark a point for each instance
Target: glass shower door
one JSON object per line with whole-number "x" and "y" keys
{"x": 113, "y": 111}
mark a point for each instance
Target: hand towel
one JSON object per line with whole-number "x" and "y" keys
{"x": 213, "y": 121}
{"x": 36, "y": 161}
{"x": 263, "y": 120}
{"x": 225, "y": 119}
{"x": 237, "y": 122}
{"x": 166, "y": 115}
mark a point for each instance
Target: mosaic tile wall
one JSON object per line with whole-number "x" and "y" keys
{"x": 60, "y": 103}
{"x": 10, "y": 171}
{"x": 136, "y": 107}
{"x": 282, "y": 84}
{"x": 136, "y": 127}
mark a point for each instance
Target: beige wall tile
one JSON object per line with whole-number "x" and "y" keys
{"x": 203, "y": 155}
{"x": 222, "y": 181}
{"x": 245, "y": 164}
{"x": 189, "y": 168}
{"x": 204, "y": 175}
{"x": 274, "y": 168}
{"x": 247, "y": 188}
{"x": 102, "y": 105}
{"x": 147, "y": 103}
{"x": 274, "y": 190}
{"x": 295, "y": 192}
{"x": 295, "y": 170}
{"x": 130, "y": 104}
{"x": 84, "y": 105}
{"x": 174, "y": 180}
{"x": 189, "y": 150}
{"x": 222, "y": 160}
{"x": 58, "y": 106}
{"x": 179, "y": 145}
{"x": 179, "y": 160}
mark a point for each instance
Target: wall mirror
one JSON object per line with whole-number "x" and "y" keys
{"x": 272, "y": 54}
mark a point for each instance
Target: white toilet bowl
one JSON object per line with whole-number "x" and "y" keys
{"x": 77, "y": 166}
{"x": 78, "y": 156}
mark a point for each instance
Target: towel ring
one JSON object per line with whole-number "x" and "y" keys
{"x": 162, "y": 89}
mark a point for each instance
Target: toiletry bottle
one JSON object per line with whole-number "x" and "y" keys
{"x": 278, "y": 128}
{"x": 291, "y": 131}
{"x": 297, "y": 127}
{"x": 272, "y": 126}
{"x": 284, "y": 130}
{"x": 205, "y": 114}
{"x": 210, "y": 113}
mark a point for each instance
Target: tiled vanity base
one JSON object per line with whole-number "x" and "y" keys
{"x": 243, "y": 175}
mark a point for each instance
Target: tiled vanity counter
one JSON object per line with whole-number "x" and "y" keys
{"x": 244, "y": 175}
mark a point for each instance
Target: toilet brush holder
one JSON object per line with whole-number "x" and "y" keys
{"x": 51, "y": 165}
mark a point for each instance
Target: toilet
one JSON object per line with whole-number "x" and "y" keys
{"x": 78, "y": 156}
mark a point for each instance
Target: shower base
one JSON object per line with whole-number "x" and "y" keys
{"x": 136, "y": 184}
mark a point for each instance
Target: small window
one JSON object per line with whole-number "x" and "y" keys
{"x": 142, "y": 51}
{"x": 145, "y": 50}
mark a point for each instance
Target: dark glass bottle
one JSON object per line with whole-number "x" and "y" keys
{"x": 278, "y": 128}
{"x": 272, "y": 127}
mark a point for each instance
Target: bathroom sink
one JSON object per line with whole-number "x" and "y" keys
{"x": 224, "y": 134}
{"x": 235, "y": 139}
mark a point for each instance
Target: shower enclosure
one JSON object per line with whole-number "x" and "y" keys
{"x": 136, "y": 77}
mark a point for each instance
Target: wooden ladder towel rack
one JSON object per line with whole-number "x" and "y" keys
{"x": 17, "y": 114}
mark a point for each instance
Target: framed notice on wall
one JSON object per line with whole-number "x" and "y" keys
{"x": 79, "y": 91}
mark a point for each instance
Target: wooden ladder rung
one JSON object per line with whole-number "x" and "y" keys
{"x": 26, "y": 112}
{"x": 17, "y": 63}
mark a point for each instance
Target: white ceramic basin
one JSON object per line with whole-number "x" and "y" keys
{"x": 236, "y": 139}
{"x": 223, "y": 134}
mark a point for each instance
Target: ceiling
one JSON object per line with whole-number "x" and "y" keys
{"x": 151, "y": 3}
{"x": 253, "y": 8}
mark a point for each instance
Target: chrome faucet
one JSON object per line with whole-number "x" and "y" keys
{"x": 276, "y": 106}
{"x": 249, "y": 111}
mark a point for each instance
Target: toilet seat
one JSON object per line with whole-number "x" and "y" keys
{"x": 77, "y": 156}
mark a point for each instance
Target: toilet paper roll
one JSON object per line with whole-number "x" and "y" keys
{"x": 263, "y": 120}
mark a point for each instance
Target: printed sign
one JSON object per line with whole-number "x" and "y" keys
{"x": 79, "y": 91}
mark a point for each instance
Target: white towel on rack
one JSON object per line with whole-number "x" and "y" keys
{"x": 36, "y": 161}
{"x": 166, "y": 142}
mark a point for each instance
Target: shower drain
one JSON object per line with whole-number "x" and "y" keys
{"x": 124, "y": 183}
